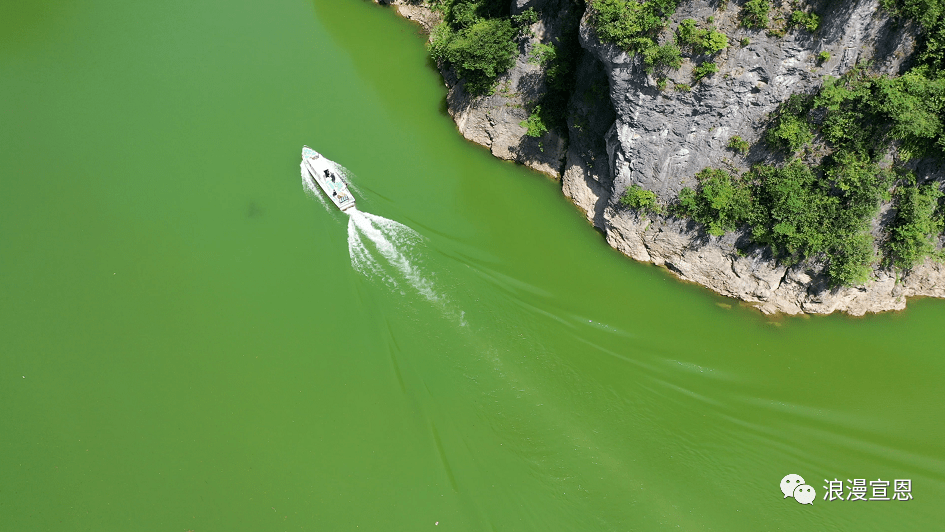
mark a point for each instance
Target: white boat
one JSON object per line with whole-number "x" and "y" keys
{"x": 324, "y": 172}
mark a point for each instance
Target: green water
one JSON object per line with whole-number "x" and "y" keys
{"x": 186, "y": 345}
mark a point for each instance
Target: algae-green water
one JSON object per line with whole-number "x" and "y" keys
{"x": 189, "y": 340}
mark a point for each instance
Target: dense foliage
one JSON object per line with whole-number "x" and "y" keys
{"x": 631, "y": 24}
{"x": 790, "y": 131}
{"x": 930, "y": 14}
{"x": 824, "y": 211}
{"x": 722, "y": 203}
{"x": 478, "y": 39}
{"x": 918, "y": 222}
{"x": 755, "y": 14}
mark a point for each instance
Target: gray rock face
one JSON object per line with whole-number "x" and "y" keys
{"x": 756, "y": 278}
{"x": 661, "y": 139}
{"x": 495, "y": 120}
{"x": 623, "y": 130}
{"x": 521, "y": 5}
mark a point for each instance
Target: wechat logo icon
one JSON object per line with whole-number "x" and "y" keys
{"x": 793, "y": 486}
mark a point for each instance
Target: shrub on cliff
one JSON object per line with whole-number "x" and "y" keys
{"x": 721, "y": 202}
{"x": 479, "y": 53}
{"x": 738, "y": 144}
{"x": 705, "y": 69}
{"x": 631, "y": 24}
{"x": 659, "y": 59}
{"x": 699, "y": 40}
{"x": 917, "y": 224}
{"x": 641, "y": 199}
{"x": 535, "y": 125}
{"x": 790, "y": 132}
{"x": 811, "y": 21}
{"x": 755, "y": 14}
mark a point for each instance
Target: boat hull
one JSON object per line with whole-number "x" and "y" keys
{"x": 324, "y": 173}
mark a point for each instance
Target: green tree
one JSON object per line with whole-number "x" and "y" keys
{"x": 535, "y": 125}
{"x": 721, "y": 201}
{"x": 479, "y": 53}
{"x": 791, "y": 133}
{"x": 918, "y": 221}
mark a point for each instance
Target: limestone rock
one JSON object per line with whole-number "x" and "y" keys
{"x": 661, "y": 139}
{"x": 624, "y": 130}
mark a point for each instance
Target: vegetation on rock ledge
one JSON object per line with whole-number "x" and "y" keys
{"x": 477, "y": 38}
{"x": 639, "y": 198}
{"x": 822, "y": 208}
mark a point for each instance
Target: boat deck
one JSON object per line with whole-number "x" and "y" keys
{"x": 325, "y": 173}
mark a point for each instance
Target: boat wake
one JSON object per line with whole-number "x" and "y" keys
{"x": 389, "y": 251}
{"x": 385, "y": 250}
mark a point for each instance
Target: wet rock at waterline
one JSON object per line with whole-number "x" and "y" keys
{"x": 634, "y": 133}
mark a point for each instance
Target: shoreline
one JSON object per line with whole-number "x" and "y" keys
{"x": 588, "y": 164}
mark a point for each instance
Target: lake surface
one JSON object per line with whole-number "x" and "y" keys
{"x": 191, "y": 341}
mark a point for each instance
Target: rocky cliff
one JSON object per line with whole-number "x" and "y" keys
{"x": 625, "y": 129}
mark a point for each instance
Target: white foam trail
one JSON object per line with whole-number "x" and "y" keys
{"x": 391, "y": 239}
{"x": 396, "y": 244}
{"x": 361, "y": 258}
{"x": 381, "y": 248}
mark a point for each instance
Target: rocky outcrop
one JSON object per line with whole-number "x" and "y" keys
{"x": 754, "y": 276}
{"x": 496, "y": 120}
{"x": 624, "y": 130}
{"x": 662, "y": 138}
